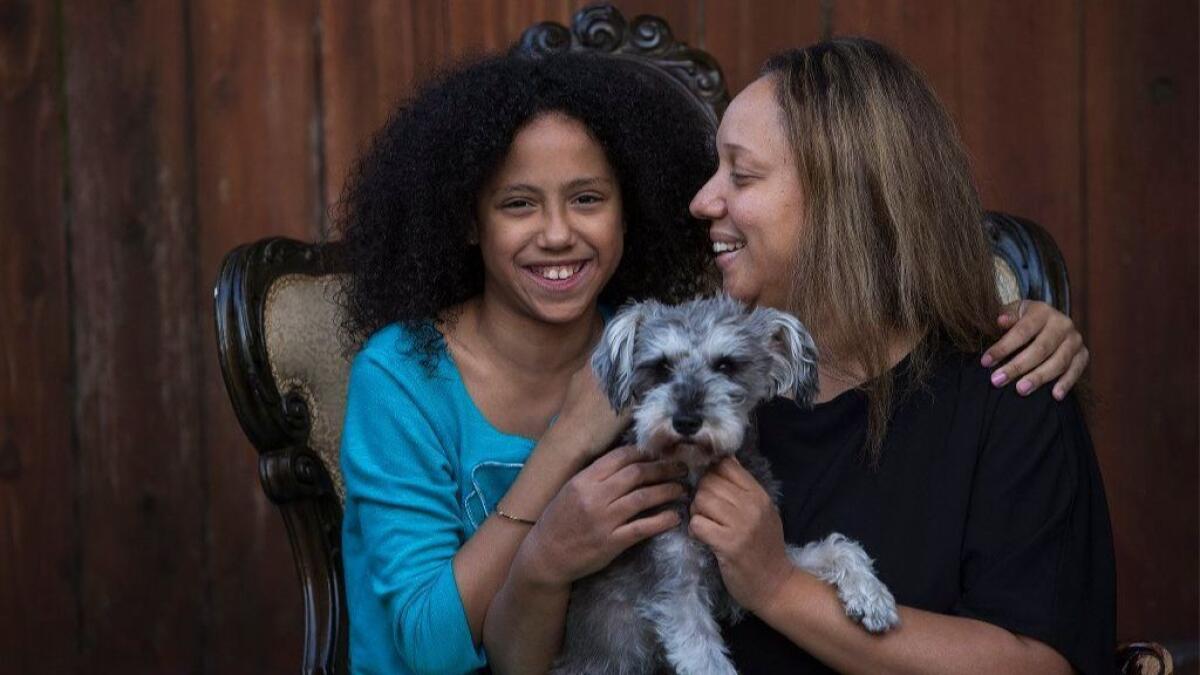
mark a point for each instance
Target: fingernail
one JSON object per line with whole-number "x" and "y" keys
{"x": 999, "y": 378}
{"x": 987, "y": 360}
{"x": 1058, "y": 394}
{"x": 1024, "y": 387}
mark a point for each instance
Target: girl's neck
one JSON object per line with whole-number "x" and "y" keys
{"x": 522, "y": 344}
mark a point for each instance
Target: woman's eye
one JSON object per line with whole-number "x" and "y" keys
{"x": 740, "y": 179}
{"x": 589, "y": 200}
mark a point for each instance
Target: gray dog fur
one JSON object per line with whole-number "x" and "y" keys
{"x": 700, "y": 367}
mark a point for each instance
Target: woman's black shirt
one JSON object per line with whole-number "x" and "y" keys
{"x": 984, "y": 505}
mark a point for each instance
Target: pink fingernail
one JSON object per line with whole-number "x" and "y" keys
{"x": 1024, "y": 387}
{"x": 1058, "y": 394}
{"x": 999, "y": 378}
{"x": 986, "y": 361}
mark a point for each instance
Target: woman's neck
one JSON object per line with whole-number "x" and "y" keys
{"x": 838, "y": 376}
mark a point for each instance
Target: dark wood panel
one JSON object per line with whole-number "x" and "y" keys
{"x": 39, "y": 532}
{"x": 141, "y": 501}
{"x": 258, "y": 173}
{"x": 741, "y": 35}
{"x": 373, "y": 54}
{"x": 683, "y": 16}
{"x": 1019, "y": 106}
{"x": 1141, "y": 178}
{"x": 479, "y": 27}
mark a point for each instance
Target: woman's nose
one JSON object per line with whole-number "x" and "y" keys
{"x": 708, "y": 204}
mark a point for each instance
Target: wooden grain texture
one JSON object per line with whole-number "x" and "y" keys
{"x": 479, "y": 27}
{"x": 1141, "y": 179}
{"x": 741, "y": 35}
{"x": 258, "y": 173}
{"x": 141, "y": 506}
{"x": 373, "y": 53}
{"x": 39, "y": 532}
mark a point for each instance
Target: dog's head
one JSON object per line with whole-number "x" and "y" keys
{"x": 693, "y": 372}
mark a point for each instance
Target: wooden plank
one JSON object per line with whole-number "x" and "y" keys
{"x": 258, "y": 173}
{"x": 926, "y": 33}
{"x": 373, "y": 53}
{"x": 141, "y": 502}
{"x": 39, "y": 533}
{"x": 1141, "y": 181}
{"x": 1019, "y": 114}
{"x": 741, "y": 35}
{"x": 475, "y": 28}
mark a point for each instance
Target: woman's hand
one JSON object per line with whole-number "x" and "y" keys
{"x": 588, "y": 416}
{"x": 1050, "y": 347}
{"x": 594, "y": 516}
{"x": 736, "y": 518}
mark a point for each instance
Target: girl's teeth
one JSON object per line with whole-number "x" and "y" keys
{"x": 723, "y": 246}
{"x": 559, "y": 273}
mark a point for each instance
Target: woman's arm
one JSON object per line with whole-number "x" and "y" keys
{"x": 808, "y": 612}
{"x": 733, "y": 515}
{"x": 1050, "y": 348}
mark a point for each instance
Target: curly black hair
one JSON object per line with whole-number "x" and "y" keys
{"x": 409, "y": 203}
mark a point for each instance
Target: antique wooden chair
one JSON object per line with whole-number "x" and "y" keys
{"x": 286, "y": 366}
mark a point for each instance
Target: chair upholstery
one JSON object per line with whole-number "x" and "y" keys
{"x": 286, "y": 365}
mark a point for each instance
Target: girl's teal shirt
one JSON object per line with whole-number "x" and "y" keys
{"x": 423, "y": 468}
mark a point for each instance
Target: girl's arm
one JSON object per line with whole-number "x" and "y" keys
{"x": 590, "y": 521}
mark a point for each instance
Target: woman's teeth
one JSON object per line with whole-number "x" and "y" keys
{"x": 726, "y": 246}
{"x": 558, "y": 273}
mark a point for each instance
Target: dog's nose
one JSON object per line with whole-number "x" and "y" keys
{"x": 686, "y": 424}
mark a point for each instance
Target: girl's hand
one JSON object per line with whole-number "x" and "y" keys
{"x": 736, "y": 518}
{"x": 1050, "y": 347}
{"x": 593, "y": 518}
{"x": 588, "y": 417}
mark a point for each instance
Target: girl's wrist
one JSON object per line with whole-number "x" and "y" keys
{"x": 533, "y": 571}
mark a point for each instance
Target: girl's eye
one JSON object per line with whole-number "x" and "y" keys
{"x": 589, "y": 199}
{"x": 740, "y": 179}
{"x": 516, "y": 204}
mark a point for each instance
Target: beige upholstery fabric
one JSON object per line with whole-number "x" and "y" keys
{"x": 1006, "y": 282}
{"x": 302, "y": 320}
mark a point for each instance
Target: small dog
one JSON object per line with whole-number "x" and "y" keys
{"x": 693, "y": 373}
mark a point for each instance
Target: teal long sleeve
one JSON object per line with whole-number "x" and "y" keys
{"x": 422, "y": 469}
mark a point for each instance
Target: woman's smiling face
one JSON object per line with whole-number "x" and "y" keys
{"x": 550, "y": 222}
{"x": 754, "y": 201}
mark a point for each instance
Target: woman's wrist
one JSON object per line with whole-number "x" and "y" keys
{"x": 781, "y": 606}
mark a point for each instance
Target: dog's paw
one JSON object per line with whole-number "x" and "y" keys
{"x": 870, "y": 603}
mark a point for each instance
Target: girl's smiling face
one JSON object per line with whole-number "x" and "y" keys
{"x": 550, "y": 222}
{"x": 754, "y": 201}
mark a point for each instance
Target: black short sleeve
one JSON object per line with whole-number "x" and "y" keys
{"x": 1037, "y": 547}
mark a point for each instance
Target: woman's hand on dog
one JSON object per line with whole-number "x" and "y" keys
{"x": 736, "y": 518}
{"x": 1050, "y": 348}
{"x": 595, "y": 516}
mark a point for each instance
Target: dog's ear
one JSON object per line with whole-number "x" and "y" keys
{"x": 613, "y": 359}
{"x": 793, "y": 357}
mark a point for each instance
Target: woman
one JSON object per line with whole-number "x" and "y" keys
{"x": 848, "y": 198}
{"x": 486, "y": 226}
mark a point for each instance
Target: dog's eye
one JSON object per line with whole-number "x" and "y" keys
{"x": 662, "y": 368}
{"x": 725, "y": 366}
